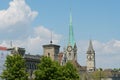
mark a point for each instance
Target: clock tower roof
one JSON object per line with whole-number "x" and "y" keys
{"x": 90, "y": 48}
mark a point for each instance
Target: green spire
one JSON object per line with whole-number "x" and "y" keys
{"x": 71, "y": 35}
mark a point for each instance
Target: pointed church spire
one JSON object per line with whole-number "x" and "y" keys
{"x": 90, "y": 48}
{"x": 90, "y": 58}
{"x": 71, "y": 35}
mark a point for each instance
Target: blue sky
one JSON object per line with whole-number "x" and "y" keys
{"x": 28, "y": 23}
{"x": 98, "y": 19}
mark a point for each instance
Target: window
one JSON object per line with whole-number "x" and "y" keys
{"x": 48, "y": 54}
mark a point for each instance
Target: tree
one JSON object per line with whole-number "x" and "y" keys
{"x": 47, "y": 70}
{"x": 98, "y": 75}
{"x": 70, "y": 72}
{"x": 15, "y": 68}
{"x": 84, "y": 76}
{"x": 51, "y": 70}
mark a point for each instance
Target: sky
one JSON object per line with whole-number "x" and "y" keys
{"x": 29, "y": 23}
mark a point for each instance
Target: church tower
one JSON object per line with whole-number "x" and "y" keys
{"x": 51, "y": 50}
{"x": 90, "y": 58}
{"x": 71, "y": 51}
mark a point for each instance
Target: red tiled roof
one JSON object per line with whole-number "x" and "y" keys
{"x": 3, "y": 48}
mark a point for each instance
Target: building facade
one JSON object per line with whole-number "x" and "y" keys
{"x": 31, "y": 64}
{"x": 51, "y": 50}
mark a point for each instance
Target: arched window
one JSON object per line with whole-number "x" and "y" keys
{"x": 48, "y": 54}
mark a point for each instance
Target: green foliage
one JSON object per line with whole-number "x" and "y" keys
{"x": 97, "y": 75}
{"x": 47, "y": 70}
{"x": 15, "y": 68}
{"x": 51, "y": 70}
{"x": 70, "y": 72}
{"x": 84, "y": 76}
{"x": 116, "y": 69}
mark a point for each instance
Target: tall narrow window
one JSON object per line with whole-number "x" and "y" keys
{"x": 48, "y": 54}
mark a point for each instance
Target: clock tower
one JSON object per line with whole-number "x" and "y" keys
{"x": 71, "y": 51}
{"x": 90, "y": 58}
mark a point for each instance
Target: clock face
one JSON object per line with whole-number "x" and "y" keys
{"x": 90, "y": 57}
{"x": 69, "y": 48}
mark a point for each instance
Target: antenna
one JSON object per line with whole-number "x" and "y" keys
{"x": 51, "y": 38}
{"x": 11, "y": 44}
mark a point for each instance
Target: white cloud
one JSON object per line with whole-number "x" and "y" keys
{"x": 110, "y": 47}
{"x": 18, "y": 11}
{"x": 16, "y": 18}
{"x": 107, "y": 53}
{"x": 46, "y": 34}
{"x": 33, "y": 43}
{"x": 41, "y": 36}
{"x": 15, "y": 23}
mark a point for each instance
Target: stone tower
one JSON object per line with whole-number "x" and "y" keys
{"x": 71, "y": 51}
{"x": 90, "y": 58}
{"x": 51, "y": 50}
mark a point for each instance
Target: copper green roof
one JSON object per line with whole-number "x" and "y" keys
{"x": 71, "y": 34}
